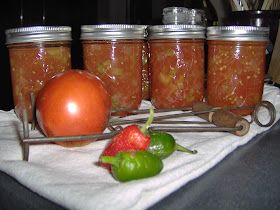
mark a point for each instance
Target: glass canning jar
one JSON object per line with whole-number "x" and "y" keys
{"x": 36, "y": 54}
{"x": 113, "y": 52}
{"x": 176, "y": 65}
{"x": 183, "y": 15}
{"x": 236, "y": 66}
{"x": 175, "y": 15}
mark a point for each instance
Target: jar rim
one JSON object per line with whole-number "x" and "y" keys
{"x": 238, "y": 33}
{"x": 174, "y": 10}
{"x": 113, "y": 31}
{"x": 176, "y": 31}
{"x": 38, "y": 34}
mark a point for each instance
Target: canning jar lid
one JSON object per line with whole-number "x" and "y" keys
{"x": 112, "y": 32}
{"x": 176, "y": 32}
{"x": 238, "y": 33}
{"x": 38, "y": 34}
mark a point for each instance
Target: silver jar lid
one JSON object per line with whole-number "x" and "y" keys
{"x": 38, "y": 34}
{"x": 112, "y": 32}
{"x": 176, "y": 32}
{"x": 238, "y": 33}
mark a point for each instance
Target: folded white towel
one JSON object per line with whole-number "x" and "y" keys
{"x": 69, "y": 176}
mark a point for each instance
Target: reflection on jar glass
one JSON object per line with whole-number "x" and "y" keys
{"x": 177, "y": 65}
{"x": 114, "y": 54}
{"x": 236, "y": 66}
{"x": 36, "y": 55}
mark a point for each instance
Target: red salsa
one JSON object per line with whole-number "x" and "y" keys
{"x": 177, "y": 72}
{"x": 235, "y": 73}
{"x": 32, "y": 65}
{"x": 145, "y": 73}
{"x": 119, "y": 65}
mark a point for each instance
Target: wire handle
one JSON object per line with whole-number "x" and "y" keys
{"x": 271, "y": 111}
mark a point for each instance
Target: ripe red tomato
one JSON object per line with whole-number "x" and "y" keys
{"x": 74, "y": 102}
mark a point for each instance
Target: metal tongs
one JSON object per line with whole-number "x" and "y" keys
{"x": 217, "y": 119}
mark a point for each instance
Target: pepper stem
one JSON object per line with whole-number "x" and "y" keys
{"x": 180, "y": 148}
{"x": 145, "y": 127}
{"x": 109, "y": 159}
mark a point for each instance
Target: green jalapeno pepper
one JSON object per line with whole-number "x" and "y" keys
{"x": 128, "y": 166}
{"x": 163, "y": 145}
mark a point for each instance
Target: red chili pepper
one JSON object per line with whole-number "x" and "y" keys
{"x": 131, "y": 138}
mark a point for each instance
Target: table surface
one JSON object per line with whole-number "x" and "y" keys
{"x": 248, "y": 178}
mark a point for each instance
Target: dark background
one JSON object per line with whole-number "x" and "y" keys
{"x": 22, "y": 13}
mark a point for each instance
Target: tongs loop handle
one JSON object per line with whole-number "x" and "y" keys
{"x": 271, "y": 111}
{"x": 222, "y": 118}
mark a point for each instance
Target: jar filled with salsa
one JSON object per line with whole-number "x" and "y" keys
{"x": 36, "y": 54}
{"x": 176, "y": 65}
{"x": 114, "y": 52}
{"x": 236, "y": 66}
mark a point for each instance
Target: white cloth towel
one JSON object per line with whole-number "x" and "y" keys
{"x": 71, "y": 178}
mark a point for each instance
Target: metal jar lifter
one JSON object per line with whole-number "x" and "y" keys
{"x": 216, "y": 119}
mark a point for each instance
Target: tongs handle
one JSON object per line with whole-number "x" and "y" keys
{"x": 222, "y": 118}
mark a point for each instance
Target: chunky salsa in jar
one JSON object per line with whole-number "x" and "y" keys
{"x": 177, "y": 65}
{"x": 145, "y": 72}
{"x": 236, "y": 67}
{"x": 114, "y": 54}
{"x": 36, "y": 55}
